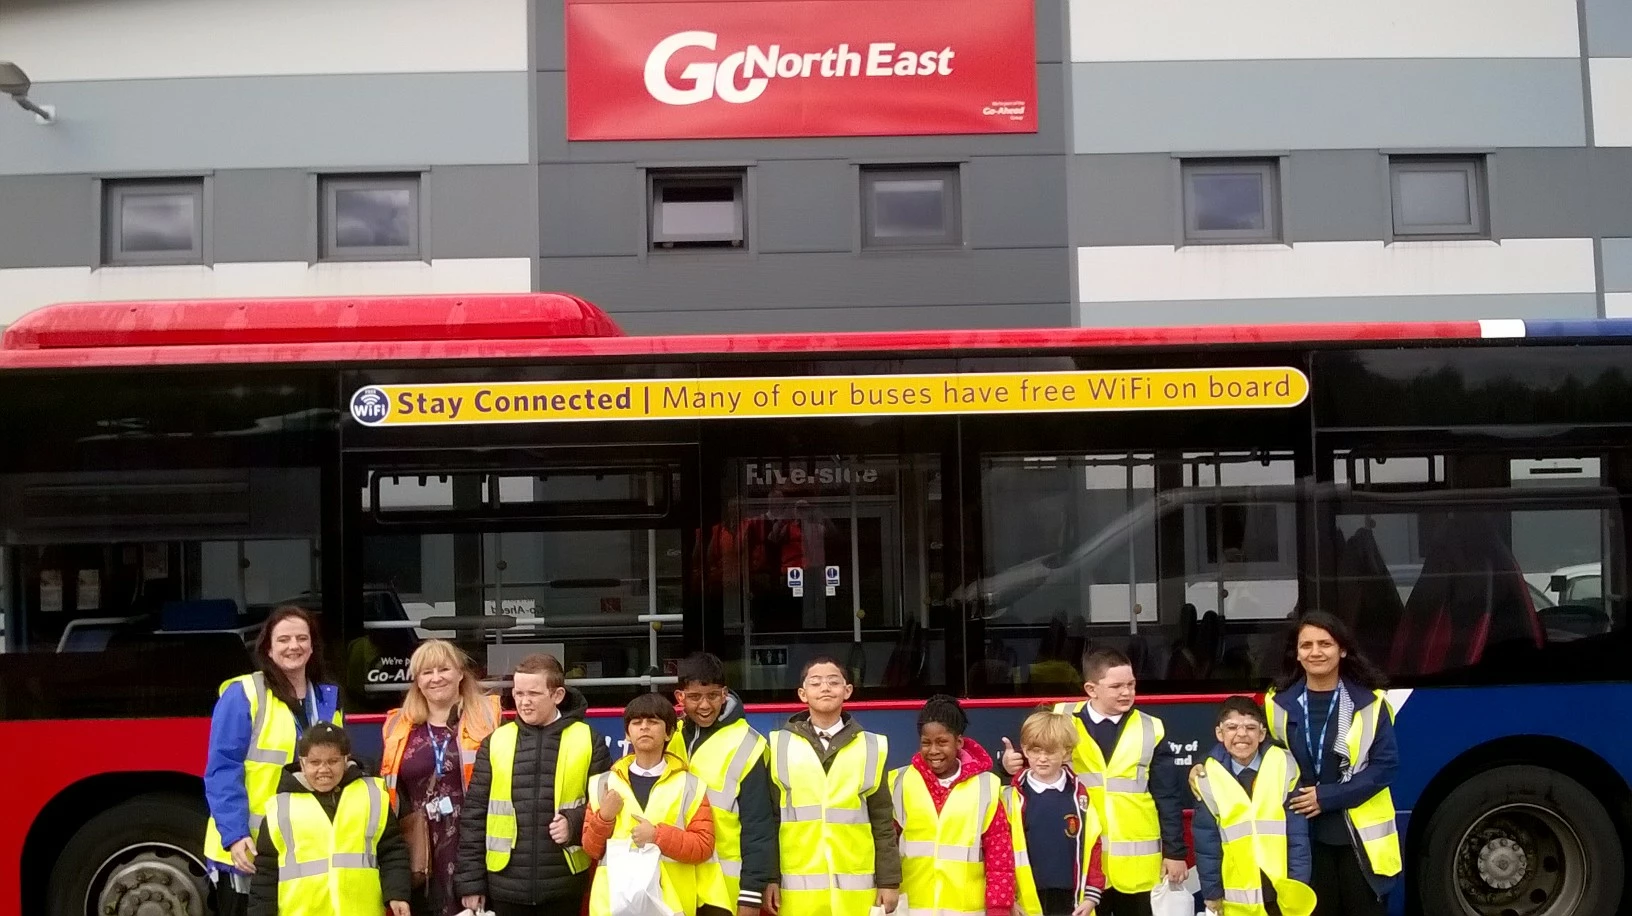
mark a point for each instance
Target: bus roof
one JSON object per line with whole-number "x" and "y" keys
{"x": 338, "y": 330}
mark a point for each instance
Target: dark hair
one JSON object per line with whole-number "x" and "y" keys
{"x": 1241, "y": 706}
{"x": 824, "y": 660}
{"x": 547, "y": 665}
{"x": 276, "y": 682}
{"x": 1095, "y": 662}
{"x": 943, "y": 710}
{"x": 323, "y": 734}
{"x": 701, "y": 668}
{"x": 650, "y": 706}
{"x": 1354, "y": 665}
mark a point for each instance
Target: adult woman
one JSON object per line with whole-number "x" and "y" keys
{"x": 1330, "y": 711}
{"x": 445, "y": 709}
{"x": 257, "y": 721}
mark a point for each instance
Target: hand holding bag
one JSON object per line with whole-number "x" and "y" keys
{"x": 634, "y": 876}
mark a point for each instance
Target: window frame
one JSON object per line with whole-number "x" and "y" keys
{"x": 328, "y": 188}
{"x": 657, "y": 240}
{"x": 1475, "y": 172}
{"x": 1269, "y": 172}
{"x": 115, "y": 191}
{"x": 951, "y": 177}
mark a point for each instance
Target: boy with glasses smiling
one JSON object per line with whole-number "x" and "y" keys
{"x": 722, "y": 750}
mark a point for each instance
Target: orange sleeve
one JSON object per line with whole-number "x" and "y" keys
{"x": 597, "y": 830}
{"x": 692, "y": 845}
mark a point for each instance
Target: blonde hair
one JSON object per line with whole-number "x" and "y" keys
{"x": 1050, "y": 731}
{"x": 438, "y": 653}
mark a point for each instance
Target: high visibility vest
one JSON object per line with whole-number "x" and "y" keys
{"x": 1371, "y": 822}
{"x": 720, "y": 763}
{"x": 572, "y": 761}
{"x": 1025, "y": 882}
{"x": 676, "y": 798}
{"x": 825, "y": 839}
{"x": 1253, "y": 831}
{"x": 943, "y": 870}
{"x": 474, "y": 725}
{"x": 1119, "y": 790}
{"x": 329, "y": 868}
{"x": 272, "y": 736}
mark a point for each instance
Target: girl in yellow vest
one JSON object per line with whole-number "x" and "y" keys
{"x": 430, "y": 749}
{"x": 330, "y": 845}
{"x": 957, "y": 855}
{"x": 648, "y": 798}
{"x": 1331, "y": 713}
{"x": 257, "y": 720}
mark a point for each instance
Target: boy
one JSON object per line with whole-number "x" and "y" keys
{"x": 720, "y": 749}
{"x": 648, "y": 798}
{"x": 1252, "y": 852}
{"x": 519, "y": 829}
{"x": 1134, "y": 785}
{"x": 1053, "y": 823}
{"x": 837, "y": 835}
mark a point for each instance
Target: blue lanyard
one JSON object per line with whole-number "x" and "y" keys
{"x": 1317, "y": 748}
{"x": 438, "y": 748}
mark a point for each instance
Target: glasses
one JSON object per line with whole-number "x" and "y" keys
{"x": 830, "y": 681}
{"x": 1250, "y": 728}
{"x": 715, "y": 697}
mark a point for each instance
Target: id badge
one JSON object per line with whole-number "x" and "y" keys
{"x": 444, "y": 805}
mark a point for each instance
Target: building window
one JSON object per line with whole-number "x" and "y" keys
{"x": 916, "y": 207}
{"x": 698, "y": 210}
{"x": 370, "y": 217}
{"x": 1438, "y": 196}
{"x": 153, "y": 221}
{"x": 1231, "y": 201}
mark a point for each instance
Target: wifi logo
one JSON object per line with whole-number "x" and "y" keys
{"x": 370, "y": 406}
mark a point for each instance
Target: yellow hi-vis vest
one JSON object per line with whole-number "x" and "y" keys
{"x": 1371, "y": 822}
{"x": 1253, "y": 831}
{"x": 572, "y": 762}
{"x": 825, "y": 839}
{"x": 943, "y": 870}
{"x": 1025, "y": 883}
{"x": 1119, "y": 790}
{"x": 720, "y": 763}
{"x": 675, "y": 799}
{"x": 272, "y": 736}
{"x": 329, "y": 868}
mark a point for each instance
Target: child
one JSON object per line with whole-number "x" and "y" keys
{"x": 1055, "y": 828}
{"x": 330, "y": 843}
{"x": 648, "y": 798}
{"x": 948, "y": 798}
{"x": 1244, "y": 785}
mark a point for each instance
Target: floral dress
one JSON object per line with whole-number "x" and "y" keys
{"x": 422, "y": 786}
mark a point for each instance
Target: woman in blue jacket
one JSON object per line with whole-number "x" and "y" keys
{"x": 257, "y": 720}
{"x": 1331, "y": 713}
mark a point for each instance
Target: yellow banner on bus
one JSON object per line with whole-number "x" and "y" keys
{"x": 827, "y": 396}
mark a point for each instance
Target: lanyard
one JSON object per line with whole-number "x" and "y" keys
{"x": 1317, "y": 748}
{"x": 438, "y": 748}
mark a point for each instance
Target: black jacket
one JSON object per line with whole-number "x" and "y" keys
{"x": 756, "y": 806}
{"x": 395, "y": 882}
{"x": 537, "y": 871}
{"x": 880, "y": 808}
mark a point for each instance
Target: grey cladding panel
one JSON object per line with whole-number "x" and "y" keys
{"x": 482, "y": 211}
{"x": 1174, "y": 313}
{"x": 1610, "y": 185}
{"x": 590, "y": 209}
{"x": 1015, "y": 202}
{"x": 263, "y": 215}
{"x": 805, "y": 205}
{"x": 1334, "y": 195}
{"x": 1609, "y": 28}
{"x": 47, "y": 220}
{"x": 1618, "y": 265}
{"x": 549, "y": 35}
{"x": 1123, "y": 200}
{"x": 1546, "y": 193}
{"x": 896, "y": 318}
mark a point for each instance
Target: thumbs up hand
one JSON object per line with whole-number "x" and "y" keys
{"x": 644, "y": 832}
{"x": 1013, "y": 760}
{"x": 560, "y": 830}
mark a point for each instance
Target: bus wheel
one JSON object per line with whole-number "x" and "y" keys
{"x": 140, "y": 858}
{"x": 1521, "y": 841}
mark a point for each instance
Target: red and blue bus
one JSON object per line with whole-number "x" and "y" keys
{"x": 961, "y": 512}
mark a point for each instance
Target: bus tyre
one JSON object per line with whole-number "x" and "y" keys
{"x": 1521, "y": 840}
{"x": 140, "y": 856}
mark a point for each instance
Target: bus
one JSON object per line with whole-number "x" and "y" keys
{"x": 954, "y": 511}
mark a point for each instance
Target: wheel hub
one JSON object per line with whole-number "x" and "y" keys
{"x": 153, "y": 884}
{"x": 1503, "y": 863}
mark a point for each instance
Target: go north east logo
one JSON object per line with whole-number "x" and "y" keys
{"x": 370, "y": 406}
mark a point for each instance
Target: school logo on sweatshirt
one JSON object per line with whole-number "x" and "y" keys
{"x": 1073, "y": 825}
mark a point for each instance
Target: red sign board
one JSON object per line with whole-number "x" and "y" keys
{"x": 716, "y": 69}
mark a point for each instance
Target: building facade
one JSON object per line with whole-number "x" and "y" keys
{"x": 1191, "y": 163}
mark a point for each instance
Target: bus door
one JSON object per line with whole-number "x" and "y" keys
{"x": 513, "y": 553}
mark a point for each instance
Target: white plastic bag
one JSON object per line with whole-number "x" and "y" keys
{"x": 1168, "y": 900}
{"x": 635, "y": 878}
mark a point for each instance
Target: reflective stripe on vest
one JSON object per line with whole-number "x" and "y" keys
{"x": 1119, "y": 790}
{"x": 825, "y": 838}
{"x": 1253, "y": 828}
{"x": 329, "y": 868}
{"x": 572, "y": 761}
{"x": 942, "y": 866}
{"x": 1372, "y": 822}
{"x": 1025, "y": 883}
{"x": 720, "y": 763}
{"x": 675, "y": 799}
